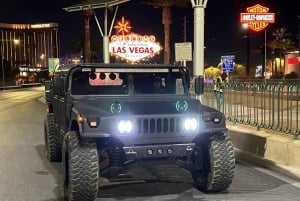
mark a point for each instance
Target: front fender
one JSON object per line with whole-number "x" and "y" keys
{"x": 75, "y": 124}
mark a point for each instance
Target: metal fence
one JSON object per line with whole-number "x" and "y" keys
{"x": 273, "y": 105}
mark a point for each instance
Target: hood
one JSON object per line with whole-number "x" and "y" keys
{"x": 138, "y": 106}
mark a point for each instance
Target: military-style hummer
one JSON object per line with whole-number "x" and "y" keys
{"x": 103, "y": 117}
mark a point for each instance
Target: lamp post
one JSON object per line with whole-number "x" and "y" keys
{"x": 245, "y": 26}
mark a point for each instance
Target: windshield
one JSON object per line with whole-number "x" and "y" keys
{"x": 120, "y": 83}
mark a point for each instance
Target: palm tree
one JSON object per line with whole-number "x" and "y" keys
{"x": 273, "y": 44}
{"x": 96, "y": 49}
{"x": 280, "y": 34}
{"x": 282, "y": 42}
{"x": 286, "y": 44}
{"x": 87, "y": 33}
{"x": 167, "y": 20}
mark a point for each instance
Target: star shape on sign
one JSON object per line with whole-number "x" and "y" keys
{"x": 123, "y": 26}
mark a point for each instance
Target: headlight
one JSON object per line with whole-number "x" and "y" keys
{"x": 125, "y": 126}
{"x": 190, "y": 124}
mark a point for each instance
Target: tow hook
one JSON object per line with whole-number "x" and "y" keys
{"x": 187, "y": 165}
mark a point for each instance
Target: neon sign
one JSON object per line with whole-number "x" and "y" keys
{"x": 132, "y": 47}
{"x": 123, "y": 26}
{"x": 257, "y": 17}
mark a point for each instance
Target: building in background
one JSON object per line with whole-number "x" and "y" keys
{"x": 36, "y": 43}
{"x": 292, "y": 62}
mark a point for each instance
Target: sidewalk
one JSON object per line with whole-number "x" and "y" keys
{"x": 265, "y": 148}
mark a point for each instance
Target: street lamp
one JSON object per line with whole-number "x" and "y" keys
{"x": 246, "y": 27}
{"x": 16, "y": 42}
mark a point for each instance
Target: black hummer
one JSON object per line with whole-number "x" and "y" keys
{"x": 104, "y": 117}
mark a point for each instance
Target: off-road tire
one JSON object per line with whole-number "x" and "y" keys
{"x": 81, "y": 168}
{"x": 52, "y": 145}
{"x": 218, "y": 165}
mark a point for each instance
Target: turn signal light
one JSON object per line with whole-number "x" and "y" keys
{"x": 80, "y": 119}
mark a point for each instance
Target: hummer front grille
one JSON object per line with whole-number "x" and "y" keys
{"x": 158, "y": 125}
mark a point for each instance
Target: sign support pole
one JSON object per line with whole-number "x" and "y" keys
{"x": 92, "y": 6}
{"x": 106, "y": 35}
{"x": 198, "y": 53}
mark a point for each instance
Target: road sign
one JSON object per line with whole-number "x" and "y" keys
{"x": 227, "y": 63}
{"x": 183, "y": 51}
{"x": 53, "y": 63}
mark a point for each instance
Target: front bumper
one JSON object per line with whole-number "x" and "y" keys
{"x": 158, "y": 151}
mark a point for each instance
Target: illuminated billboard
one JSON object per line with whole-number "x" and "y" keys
{"x": 132, "y": 47}
{"x": 257, "y": 17}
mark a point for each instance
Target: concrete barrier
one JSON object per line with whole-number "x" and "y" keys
{"x": 20, "y": 86}
{"x": 266, "y": 148}
{"x": 30, "y": 85}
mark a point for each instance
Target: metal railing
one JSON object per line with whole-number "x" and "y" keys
{"x": 273, "y": 105}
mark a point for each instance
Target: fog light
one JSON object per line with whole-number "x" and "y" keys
{"x": 93, "y": 124}
{"x": 149, "y": 151}
{"x": 170, "y": 151}
{"x": 160, "y": 151}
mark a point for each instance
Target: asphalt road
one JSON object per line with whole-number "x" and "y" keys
{"x": 26, "y": 175}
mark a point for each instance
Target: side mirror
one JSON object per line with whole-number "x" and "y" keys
{"x": 199, "y": 85}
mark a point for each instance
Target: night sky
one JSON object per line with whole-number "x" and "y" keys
{"x": 223, "y": 33}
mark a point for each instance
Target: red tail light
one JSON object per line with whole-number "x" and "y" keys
{"x": 49, "y": 110}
